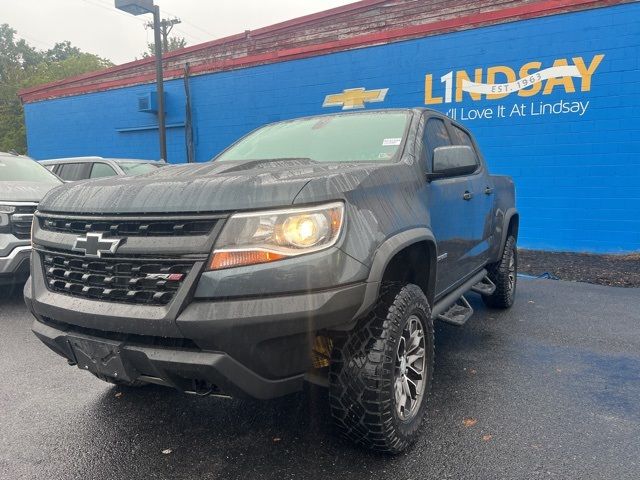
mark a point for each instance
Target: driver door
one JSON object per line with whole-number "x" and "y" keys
{"x": 450, "y": 212}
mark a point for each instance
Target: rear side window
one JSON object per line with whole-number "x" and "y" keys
{"x": 435, "y": 135}
{"x": 74, "y": 171}
{"x": 101, "y": 170}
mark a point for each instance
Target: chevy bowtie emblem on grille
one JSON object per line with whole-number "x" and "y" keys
{"x": 93, "y": 245}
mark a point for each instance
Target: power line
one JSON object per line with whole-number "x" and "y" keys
{"x": 193, "y": 25}
{"x": 166, "y": 25}
{"x": 183, "y": 32}
{"x": 195, "y": 38}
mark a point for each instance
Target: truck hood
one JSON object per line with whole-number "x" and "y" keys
{"x": 210, "y": 187}
{"x": 23, "y": 191}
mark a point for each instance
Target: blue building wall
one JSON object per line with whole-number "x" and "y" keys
{"x": 577, "y": 171}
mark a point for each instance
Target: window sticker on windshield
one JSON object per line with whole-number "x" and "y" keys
{"x": 391, "y": 142}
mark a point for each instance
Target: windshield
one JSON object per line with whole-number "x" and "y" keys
{"x": 22, "y": 169}
{"x": 340, "y": 138}
{"x": 137, "y": 168}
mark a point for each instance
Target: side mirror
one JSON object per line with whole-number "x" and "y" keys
{"x": 453, "y": 161}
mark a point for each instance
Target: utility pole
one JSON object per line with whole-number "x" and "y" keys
{"x": 160, "y": 85}
{"x": 166, "y": 25}
{"x": 142, "y": 7}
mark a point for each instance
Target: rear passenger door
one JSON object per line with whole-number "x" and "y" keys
{"x": 72, "y": 172}
{"x": 481, "y": 190}
{"x": 450, "y": 212}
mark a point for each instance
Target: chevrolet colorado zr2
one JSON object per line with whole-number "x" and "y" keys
{"x": 319, "y": 249}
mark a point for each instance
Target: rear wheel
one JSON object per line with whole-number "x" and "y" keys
{"x": 381, "y": 374}
{"x": 505, "y": 275}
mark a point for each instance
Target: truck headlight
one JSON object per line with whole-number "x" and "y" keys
{"x": 262, "y": 237}
{"x": 5, "y": 211}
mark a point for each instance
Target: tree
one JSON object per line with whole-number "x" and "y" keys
{"x": 23, "y": 66}
{"x": 61, "y": 51}
{"x": 173, "y": 43}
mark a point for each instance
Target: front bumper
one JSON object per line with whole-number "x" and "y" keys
{"x": 14, "y": 267}
{"x": 259, "y": 348}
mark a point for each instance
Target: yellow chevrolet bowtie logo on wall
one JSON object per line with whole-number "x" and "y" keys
{"x": 355, "y": 98}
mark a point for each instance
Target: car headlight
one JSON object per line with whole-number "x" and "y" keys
{"x": 262, "y": 237}
{"x": 7, "y": 208}
{"x": 5, "y": 211}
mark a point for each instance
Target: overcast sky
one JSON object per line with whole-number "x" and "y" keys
{"x": 97, "y": 27}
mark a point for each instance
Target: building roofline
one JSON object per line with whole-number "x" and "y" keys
{"x": 509, "y": 14}
{"x": 203, "y": 46}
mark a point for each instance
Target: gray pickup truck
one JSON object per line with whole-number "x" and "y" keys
{"x": 23, "y": 183}
{"x": 320, "y": 249}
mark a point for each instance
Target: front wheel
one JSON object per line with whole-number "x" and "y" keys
{"x": 505, "y": 276}
{"x": 381, "y": 374}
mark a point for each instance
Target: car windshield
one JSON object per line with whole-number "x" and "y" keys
{"x": 137, "y": 168}
{"x": 23, "y": 169}
{"x": 339, "y": 138}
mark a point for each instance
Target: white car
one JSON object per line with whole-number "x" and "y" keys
{"x": 84, "y": 168}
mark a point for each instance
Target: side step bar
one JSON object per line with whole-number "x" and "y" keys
{"x": 454, "y": 308}
{"x": 458, "y": 313}
{"x": 484, "y": 287}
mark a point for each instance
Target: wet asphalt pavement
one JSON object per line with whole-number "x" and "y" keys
{"x": 549, "y": 389}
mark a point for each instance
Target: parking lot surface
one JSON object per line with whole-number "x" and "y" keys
{"x": 549, "y": 389}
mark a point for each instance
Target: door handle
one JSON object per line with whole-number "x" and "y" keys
{"x": 467, "y": 196}
{"x": 488, "y": 191}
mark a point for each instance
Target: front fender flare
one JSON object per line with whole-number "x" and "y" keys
{"x": 383, "y": 255}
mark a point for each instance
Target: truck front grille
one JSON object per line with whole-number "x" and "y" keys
{"x": 122, "y": 280}
{"x": 21, "y": 221}
{"x": 130, "y": 227}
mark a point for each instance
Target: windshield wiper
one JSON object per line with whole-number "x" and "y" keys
{"x": 295, "y": 161}
{"x": 282, "y": 159}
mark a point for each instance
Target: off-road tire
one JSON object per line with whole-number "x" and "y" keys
{"x": 120, "y": 383}
{"x": 362, "y": 375}
{"x": 499, "y": 273}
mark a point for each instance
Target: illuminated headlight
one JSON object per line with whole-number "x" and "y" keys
{"x": 262, "y": 237}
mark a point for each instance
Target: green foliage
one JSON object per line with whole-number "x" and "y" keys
{"x": 23, "y": 66}
{"x": 173, "y": 43}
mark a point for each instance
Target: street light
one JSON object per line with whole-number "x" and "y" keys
{"x": 141, "y": 7}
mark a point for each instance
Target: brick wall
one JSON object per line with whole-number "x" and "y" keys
{"x": 577, "y": 172}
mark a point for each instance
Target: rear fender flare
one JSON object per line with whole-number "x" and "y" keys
{"x": 505, "y": 227}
